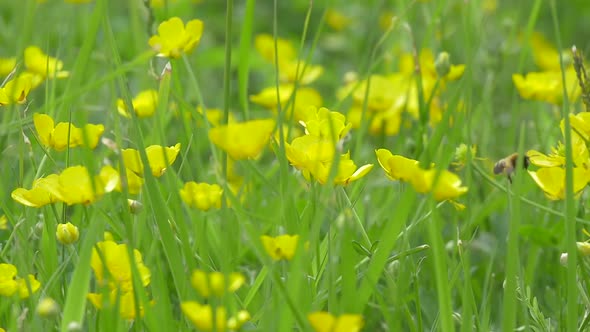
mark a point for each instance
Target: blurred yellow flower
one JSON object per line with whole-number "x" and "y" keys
{"x": 214, "y": 116}
{"x": 215, "y": 284}
{"x": 322, "y": 321}
{"x": 547, "y": 86}
{"x": 23, "y": 286}
{"x": 37, "y": 196}
{"x": 545, "y": 55}
{"x": 243, "y": 140}
{"x": 124, "y": 300}
{"x": 336, "y": 20}
{"x": 159, "y": 159}
{"x": 134, "y": 181}
{"x": 7, "y": 65}
{"x": 301, "y": 98}
{"x": 290, "y": 68}
{"x": 265, "y": 45}
{"x": 47, "y": 307}
{"x": 201, "y": 315}
{"x": 56, "y": 136}
{"x": 552, "y": 181}
{"x": 202, "y": 196}
{"x": 16, "y": 90}
{"x": 144, "y": 104}
{"x": 67, "y": 233}
{"x": 43, "y": 66}
{"x": 174, "y": 38}
{"x": 9, "y": 285}
{"x": 280, "y": 247}
{"x": 3, "y": 222}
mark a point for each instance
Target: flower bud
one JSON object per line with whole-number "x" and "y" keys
{"x": 442, "y": 64}
{"x": 135, "y": 207}
{"x": 47, "y": 308}
{"x": 67, "y": 233}
{"x": 108, "y": 236}
{"x": 583, "y": 248}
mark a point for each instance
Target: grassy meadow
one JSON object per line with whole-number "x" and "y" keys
{"x": 328, "y": 166}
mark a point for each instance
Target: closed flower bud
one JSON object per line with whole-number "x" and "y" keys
{"x": 583, "y": 248}
{"x": 47, "y": 307}
{"x": 67, "y": 233}
{"x": 135, "y": 207}
{"x": 108, "y": 236}
{"x": 442, "y": 64}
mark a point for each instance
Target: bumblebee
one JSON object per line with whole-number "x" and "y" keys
{"x": 508, "y": 165}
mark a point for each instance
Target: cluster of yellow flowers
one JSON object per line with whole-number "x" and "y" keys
{"x": 37, "y": 68}
{"x": 390, "y": 96}
{"x": 214, "y": 284}
{"x": 547, "y": 86}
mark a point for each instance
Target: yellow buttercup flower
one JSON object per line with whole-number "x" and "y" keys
{"x": 159, "y": 159}
{"x": 243, "y": 140}
{"x": 201, "y": 315}
{"x": 303, "y": 98}
{"x": 56, "y": 136}
{"x": 112, "y": 257}
{"x": 37, "y": 196}
{"x": 9, "y": 285}
{"x": 134, "y": 182}
{"x": 557, "y": 156}
{"x": 16, "y": 90}
{"x": 215, "y": 283}
{"x": 67, "y": 233}
{"x": 202, "y": 196}
{"x": 322, "y": 321}
{"x": 337, "y": 20}
{"x": 443, "y": 184}
{"x": 23, "y": 288}
{"x": 144, "y": 104}
{"x": 214, "y": 116}
{"x": 290, "y": 68}
{"x": 552, "y": 181}
{"x": 397, "y": 167}
{"x": 280, "y": 247}
{"x": 580, "y": 124}
{"x": 124, "y": 300}
{"x": 545, "y": 54}
{"x": 314, "y": 155}
{"x": 43, "y": 66}
{"x": 75, "y": 185}
{"x": 174, "y": 38}
{"x": 547, "y": 86}
{"x": 322, "y": 122}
